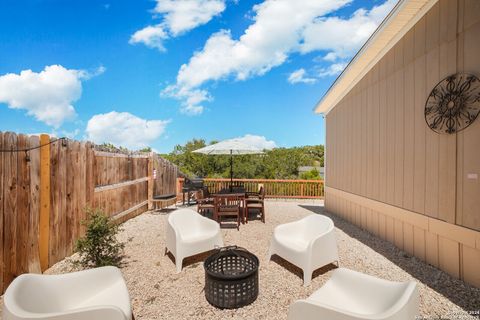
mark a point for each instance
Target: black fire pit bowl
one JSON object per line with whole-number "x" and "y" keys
{"x": 231, "y": 278}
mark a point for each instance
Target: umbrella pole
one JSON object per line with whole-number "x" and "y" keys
{"x": 231, "y": 171}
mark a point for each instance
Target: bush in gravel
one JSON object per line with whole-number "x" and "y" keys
{"x": 100, "y": 246}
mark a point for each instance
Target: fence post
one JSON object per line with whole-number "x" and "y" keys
{"x": 44, "y": 219}
{"x": 150, "y": 182}
{"x": 179, "y": 189}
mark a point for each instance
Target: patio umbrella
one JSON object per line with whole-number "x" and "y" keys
{"x": 230, "y": 147}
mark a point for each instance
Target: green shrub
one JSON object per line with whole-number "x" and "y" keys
{"x": 311, "y": 175}
{"x": 99, "y": 247}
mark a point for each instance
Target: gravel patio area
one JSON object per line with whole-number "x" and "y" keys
{"x": 157, "y": 292}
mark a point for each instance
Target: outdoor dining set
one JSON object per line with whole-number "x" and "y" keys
{"x": 232, "y": 202}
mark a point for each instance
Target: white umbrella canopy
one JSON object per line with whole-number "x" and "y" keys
{"x": 232, "y": 147}
{"x": 229, "y": 147}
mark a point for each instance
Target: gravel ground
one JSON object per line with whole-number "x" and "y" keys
{"x": 157, "y": 292}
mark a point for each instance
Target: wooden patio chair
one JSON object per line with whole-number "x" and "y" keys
{"x": 205, "y": 202}
{"x": 256, "y": 201}
{"x": 228, "y": 205}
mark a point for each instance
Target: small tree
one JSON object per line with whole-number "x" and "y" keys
{"x": 146, "y": 149}
{"x": 311, "y": 175}
{"x": 99, "y": 247}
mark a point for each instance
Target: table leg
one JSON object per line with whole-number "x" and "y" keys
{"x": 245, "y": 212}
{"x": 245, "y": 209}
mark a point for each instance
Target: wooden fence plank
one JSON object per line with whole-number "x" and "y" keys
{"x": 62, "y": 206}
{"x": 33, "y": 255}
{"x": 23, "y": 206}
{"x": 44, "y": 219}
{"x": 119, "y": 185}
{"x": 150, "y": 182}
{"x": 54, "y": 201}
{"x": 10, "y": 207}
{"x": 2, "y": 198}
{"x": 81, "y": 190}
{"x": 70, "y": 191}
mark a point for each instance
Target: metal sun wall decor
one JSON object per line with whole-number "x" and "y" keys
{"x": 453, "y": 104}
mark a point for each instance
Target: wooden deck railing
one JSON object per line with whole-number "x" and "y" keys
{"x": 274, "y": 188}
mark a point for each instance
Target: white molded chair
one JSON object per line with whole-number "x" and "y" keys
{"x": 189, "y": 233}
{"x": 95, "y": 294}
{"x": 308, "y": 243}
{"x": 351, "y": 295}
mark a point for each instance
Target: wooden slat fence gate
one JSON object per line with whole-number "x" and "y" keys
{"x": 166, "y": 177}
{"x": 163, "y": 191}
{"x": 44, "y": 193}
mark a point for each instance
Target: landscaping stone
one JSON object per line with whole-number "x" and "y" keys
{"x": 157, "y": 292}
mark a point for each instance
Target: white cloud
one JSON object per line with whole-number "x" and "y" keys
{"x": 48, "y": 95}
{"x": 275, "y": 33}
{"x": 265, "y": 44}
{"x": 299, "y": 76}
{"x": 190, "y": 99}
{"x": 343, "y": 37}
{"x": 87, "y": 75}
{"x": 259, "y": 142}
{"x": 332, "y": 70}
{"x": 182, "y": 16}
{"x": 151, "y": 36}
{"x": 124, "y": 129}
{"x": 331, "y": 56}
{"x": 178, "y": 17}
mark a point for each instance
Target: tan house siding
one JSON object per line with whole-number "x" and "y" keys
{"x": 387, "y": 171}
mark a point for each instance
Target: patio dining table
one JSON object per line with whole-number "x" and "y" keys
{"x": 235, "y": 191}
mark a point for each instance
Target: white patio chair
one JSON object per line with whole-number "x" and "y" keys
{"x": 189, "y": 233}
{"x": 308, "y": 243}
{"x": 95, "y": 294}
{"x": 351, "y": 295}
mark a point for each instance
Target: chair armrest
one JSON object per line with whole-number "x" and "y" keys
{"x": 286, "y": 227}
{"x": 92, "y": 313}
{"x": 324, "y": 242}
{"x": 253, "y": 200}
{"x": 308, "y": 310}
{"x": 172, "y": 238}
{"x": 209, "y": 224}
{"x": 252, "y": 194}
{"x": 204, "y": 200}
{"x": 321, "y": 235}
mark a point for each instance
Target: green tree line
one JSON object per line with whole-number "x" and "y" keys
{"x": 279, "y": 163}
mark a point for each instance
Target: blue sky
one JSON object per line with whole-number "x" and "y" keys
{"x": 161, "y": 72}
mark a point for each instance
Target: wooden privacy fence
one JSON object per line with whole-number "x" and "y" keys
{"x": 166, "y": 177}
{"x": 274, "y": 188}
{"x": 44, "y": 193}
